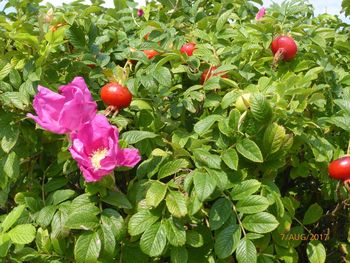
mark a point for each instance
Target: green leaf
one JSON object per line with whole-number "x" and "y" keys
{"x": 10, "y": 136}
{"x": 172, "y": 167}
{"x": 222, "y": 20}
{"x": 163, "y": 76}
{"x": 112, "y": 219}
{"x": 175, "y": 232}
{"x": 22, "y": 234}
{"x": 62, "y": 195}
{"x": 261, "y": 223}
{"x": 141, "y": 221}
{"x": 156, "y": 193}
{"x": 249, "y": 150}
{"x": 194, "y": 238}
{"x": 204, "y": 184}
{"x": 230, "y": 158}
{"x": 202, "y": 126}
{"x": 58, "y": 224}
{"x": 87, "y": 248}
{"x": 12, "y": 217}
{"x": 5, "y": 244}
{"x": 117, "y": 199}
{"x": 153, "y": 240}
{"x": 5, "y": 71}
{"x": 219, "y": 213}
{"x": 316, "y": 252}
{"x": 246, "y": 251}
{"x": 244, "y": 188}
{"x": 108, "y": 240}
{"x": 260, "y": 107}
{"x": 176, "y": 204}
{"x": 273, "y": 138}
{"x": 76, "y": 36}
{"x": 45, "y": 215}
{"x": 312, "y": 214}
{"x": 226, "y": 241}
{"x": 10, "y": 165}
{"x": 205, "y": 158}
{"x": 178, "y": 255}
{"x": 82, "y": 216}
{"x": 132, "y": 137}
{"x": 252, "y": 204}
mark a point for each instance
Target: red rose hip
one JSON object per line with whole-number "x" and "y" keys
{"x": 340, "y": 169}
{"x": 116, "y": 95}
{"x": 284, "y": 47}
{"x": 207, "y": 73}
{"x": 188, "y": 48}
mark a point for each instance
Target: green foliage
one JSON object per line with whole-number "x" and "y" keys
{"x": 216, "y": 183}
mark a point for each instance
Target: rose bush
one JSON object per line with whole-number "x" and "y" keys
{"x": 213, "y": 182}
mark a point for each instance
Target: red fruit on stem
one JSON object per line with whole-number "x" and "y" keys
{"x": 114, "y": 94}
{"x": 146, "y": 36}
{"x": 188, "y": 48}
{"x": 340, "y": 169}
{"x": 92, "y": 66}
{"x": 284, "y": 47}
{"x": 207, "y": 73}
{"x": 150, "y": 53}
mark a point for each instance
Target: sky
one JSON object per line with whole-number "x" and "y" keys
{"x": 321, "y": 6}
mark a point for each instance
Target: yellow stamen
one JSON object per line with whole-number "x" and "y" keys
{"x": 97, "y": 157}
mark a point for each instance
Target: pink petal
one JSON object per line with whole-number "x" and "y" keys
{"x": 260, "y": 13}
{"x": 128, "y": 157}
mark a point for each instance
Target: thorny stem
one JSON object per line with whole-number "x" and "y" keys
{"x": 300, "y": 223}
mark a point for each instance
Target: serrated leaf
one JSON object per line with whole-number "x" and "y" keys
{"x": 312, "y": 214}
{"x": 316, "y": 252}
{"x": 175, "y": 232}
{"x": 260, "y": 107}
{"x": 172, "y": 167}
{"x": 176, "y": 204}
{"x": 141, "y": 221}
{"x": 246, "y": 251}
{"x": 226, "y": 241}
{"x": 12, "y": 217}
{"x": 10, "y": 165}
{"x": 204, "y": 185}
{"x": 62, "y": 195}
{"x": 76, "y": 36}
{"x": 249, "y": 150}
{"x": 87, "y": 248}
{"x": 45, "y": 215}
{"x": 10, "y": 136}
{"x": 220, "y": 211}
{"x": 230, "y": 158}
{"x": 22, "y": 234}
{"x": 132, "y": 137}
{"x": 153, "y": 240}
{"x": 205, "y": 158}
{"x": 107, "y": 240}
{"x": 202, "y": 126}
{"x": 163, "y": 76}
{"x": 222, "y": 20}
{"x": 252, "y": 204}
{"x": 82, "y": 216}
{"x": 261, "y": 223}
{"x": 117, "y": 199}
{"x": 5, "y": 71}
{"x": 156, "y": 193}
{"x": 244, "y": 188}
{"x": 273, "y": 138}
{"x": 115, "y": 221}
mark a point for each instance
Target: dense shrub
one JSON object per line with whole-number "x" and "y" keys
{"x": 222, "y": 178}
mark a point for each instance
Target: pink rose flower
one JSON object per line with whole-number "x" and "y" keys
{"x": 260, "y": 13}
{"x": 66, "y": 111}
{"x": 95, "y": 148}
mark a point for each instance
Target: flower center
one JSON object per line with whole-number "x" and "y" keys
{"x": 97, "y": 156}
